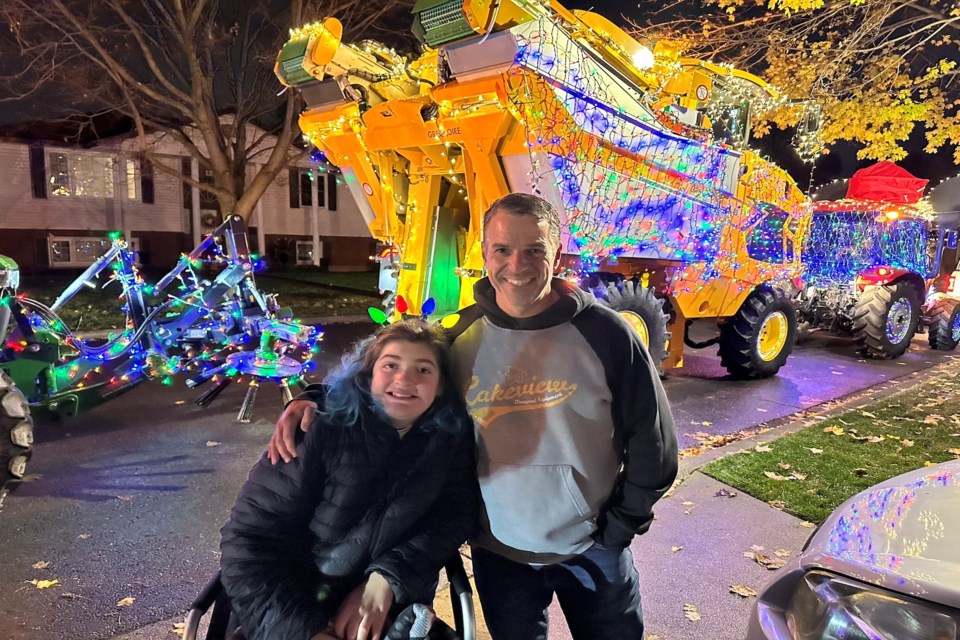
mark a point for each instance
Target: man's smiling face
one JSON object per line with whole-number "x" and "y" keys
{"x": 520, "y": 260}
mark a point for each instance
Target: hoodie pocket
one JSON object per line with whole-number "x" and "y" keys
{"x": 537, "y": 508}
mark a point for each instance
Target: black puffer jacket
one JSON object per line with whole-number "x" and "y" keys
{"x": 357, "y": 499}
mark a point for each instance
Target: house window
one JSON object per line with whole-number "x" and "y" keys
{"x": 301, "y": 190}
{"x": 133, "y": 181}
{"x": 72, "y": 252}
{"x": 305, "y": 252}
{"x": 89, "y": 175}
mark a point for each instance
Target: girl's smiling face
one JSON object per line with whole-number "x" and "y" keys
{"x": 406, "y": 381}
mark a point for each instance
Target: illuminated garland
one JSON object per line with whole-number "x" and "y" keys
{"x": 632, "y": 183}
{"x": 848, "y": 237}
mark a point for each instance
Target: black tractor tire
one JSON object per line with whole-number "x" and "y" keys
{"x": 944, "y": 331}
{"x": 872, "y": 316}
{"x": 642, "y": 310}
{"x": 741, "y": 353}
{"x": 16, "y": 436}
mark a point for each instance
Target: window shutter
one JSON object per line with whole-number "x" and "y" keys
{"x": 186, "y": 168}
{"x": 331, "y": 192}
{"x": 38, "y": 172}
{"x": 294, "y": 180}
{"x": 146, "y": 182}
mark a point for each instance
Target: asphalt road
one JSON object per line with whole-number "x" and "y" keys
{"x": 127, "y": 500}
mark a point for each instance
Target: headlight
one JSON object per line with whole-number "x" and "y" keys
{"x": 826, "y": 607}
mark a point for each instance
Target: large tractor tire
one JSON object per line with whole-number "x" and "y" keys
{"x": 16, "y": 436}
{"x": 886, "y": 318}
{"x": 642, "y": 310}
{"x": 944, "y": 330}
{"x": 756, "y": 342}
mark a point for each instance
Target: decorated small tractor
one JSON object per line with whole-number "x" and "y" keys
{"x": 667, "y": 215}
{"x": 874, "y": 262}
{"x": 206, "y": 318}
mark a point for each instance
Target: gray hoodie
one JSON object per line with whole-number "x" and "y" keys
{"x": 575, "y": 437}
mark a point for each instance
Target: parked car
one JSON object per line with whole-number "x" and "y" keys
{"x": 884, "y": 566}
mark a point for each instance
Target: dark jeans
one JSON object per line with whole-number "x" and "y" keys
{"x": 598, "y": 591}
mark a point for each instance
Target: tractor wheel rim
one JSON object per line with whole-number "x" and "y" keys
{"x": 898, "y": 320}
{"x": 955, "y": 329}
{"x": 772, "y": 336}
{"x": 635, "y": 321}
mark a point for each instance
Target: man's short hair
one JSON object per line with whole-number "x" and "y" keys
{"x": 526, "y": 204}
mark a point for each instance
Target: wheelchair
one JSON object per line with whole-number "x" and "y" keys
{"x": 214, "y": 599}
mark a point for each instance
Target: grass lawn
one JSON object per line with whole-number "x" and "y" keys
{"x": 310, "y": 296}
{"x": 811, "y": 472}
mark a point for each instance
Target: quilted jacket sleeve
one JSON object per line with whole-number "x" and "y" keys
{"x": 266, "y": 564}
{"x": 411, "y": 567}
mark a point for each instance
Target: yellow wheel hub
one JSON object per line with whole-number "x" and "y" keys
{"x": 635, "y": 321}
{"x": 773, "y": 336}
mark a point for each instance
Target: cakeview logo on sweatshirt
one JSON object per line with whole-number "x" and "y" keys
{"x": 519, "y": 391}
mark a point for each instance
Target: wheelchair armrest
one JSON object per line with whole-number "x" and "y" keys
{"x": 461, "y": 594}
{"x": 457, "y": 576}
{"x": 201, "y": 605}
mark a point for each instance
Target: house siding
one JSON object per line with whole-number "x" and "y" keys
{"x": 163, "y": 227}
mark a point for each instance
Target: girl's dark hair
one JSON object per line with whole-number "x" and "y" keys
{"x": 348, "y": 385}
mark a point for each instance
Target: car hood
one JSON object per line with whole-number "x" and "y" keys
{"x": 902, "y": 535}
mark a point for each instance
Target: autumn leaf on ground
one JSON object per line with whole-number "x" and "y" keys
{"x": 213, "y": 443}
{"x": 860, "y": 472}
{"x": 776, "y": 476}
{"x": 725, "y": 493}
{"x": 691, "y": 613}
{"x": 676, "y": 549}
{"x": 782, "y": 553}
{"x": 778, "y": 504}
{"x": 743, "y": 591}
{"x": 932, "y": 419}
{"x": 807, "y": 525}
{"x": 815, "y": 451}
{"x": 867, "y": 414}
{"x": 178, "y": 628}
{"x": 765, "y": 561}
{"x": 784, "y": 466}
{"x": 835, "y": 430}
{"x": 906, "y": 443}
{"x": 44, "y": 584}
{"x": 83, "y": 536}
{"x": 955, "y": 452}
{"x": 126, "y": 602}
{"x": 762, "y": 448}
{"x": 687, "y": 503}
{"x": 43, "y": 564}
{"x": 875, "y": 439}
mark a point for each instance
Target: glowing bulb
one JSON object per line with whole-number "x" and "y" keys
{"x": 643, "y": 58}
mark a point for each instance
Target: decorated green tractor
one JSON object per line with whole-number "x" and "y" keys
{"x": 873, "y": 262}
{"x": 205, "y": 318}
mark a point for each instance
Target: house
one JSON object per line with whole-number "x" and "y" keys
{"x": 58, "y": 202}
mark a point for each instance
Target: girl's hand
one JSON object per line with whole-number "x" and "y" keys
{"x": 363, "y": 613}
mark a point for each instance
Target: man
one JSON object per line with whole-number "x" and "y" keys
{"x": 574, "y": 434}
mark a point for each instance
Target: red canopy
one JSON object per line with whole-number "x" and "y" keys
{"x": 886, "y": 182}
